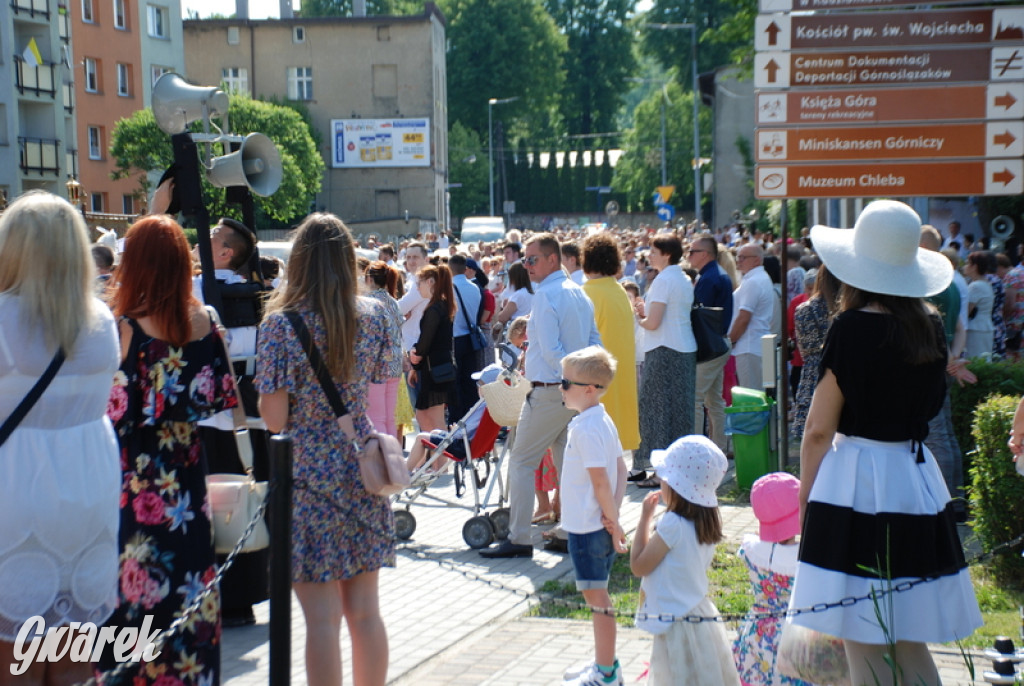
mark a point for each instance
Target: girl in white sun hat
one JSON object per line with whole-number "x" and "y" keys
{"x": 874, "y": 506}
{"x": 673, "y": 561}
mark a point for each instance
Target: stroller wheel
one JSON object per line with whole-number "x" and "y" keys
{"x": 478, "y": 532}
{"x": 405, "y": 524}
{"x": 499, "y": 520}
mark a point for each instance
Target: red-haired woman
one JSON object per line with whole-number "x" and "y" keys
{"x": 382, "y": 284}
{"x": 434, "y": 348}
{"x": 173, "y": 373}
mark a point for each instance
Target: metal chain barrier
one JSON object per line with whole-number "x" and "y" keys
{"x": 696, "y": 619}
{"x": 191, "y": 608}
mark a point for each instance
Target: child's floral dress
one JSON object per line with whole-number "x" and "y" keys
{"x": 166, "y": 542}
{"x": 757, "y": 641}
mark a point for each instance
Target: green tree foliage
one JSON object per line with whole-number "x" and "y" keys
{"x": 343, "y": 8}
{"x": 139, "y": 146}
{"x": 638, "y": 171}
{"x": 503, "y": 49}
{"x": 599, "y": 58}
{"x": 467, "y": 164}
{"x": 719, "y": 33}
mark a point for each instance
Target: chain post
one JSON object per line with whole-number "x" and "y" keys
{"x": 281, "y": 560}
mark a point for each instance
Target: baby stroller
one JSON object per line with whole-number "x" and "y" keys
{"x": 470, "y": 446}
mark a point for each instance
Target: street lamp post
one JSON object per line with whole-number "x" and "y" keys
{"x": 696, "y": 125}
{"x": 490, "y": 146}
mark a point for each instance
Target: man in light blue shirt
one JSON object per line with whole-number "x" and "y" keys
{"x": 467, "y": 360}
{"x": 561, "y": 322}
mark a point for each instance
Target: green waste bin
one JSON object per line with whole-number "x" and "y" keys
{"x": 750, "y": 420}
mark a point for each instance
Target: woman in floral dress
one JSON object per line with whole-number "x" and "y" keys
{"x": 341, "y": 535}
{"x": 811, "y": 321}
{"x": 173, "y": 373}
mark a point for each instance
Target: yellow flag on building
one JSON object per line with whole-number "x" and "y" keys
{"x": 31, "y": 54}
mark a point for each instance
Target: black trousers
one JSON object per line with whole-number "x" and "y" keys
{"x": 467, "y": 362}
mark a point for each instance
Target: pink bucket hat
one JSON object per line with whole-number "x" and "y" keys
{"x": 694, "y": 467}
{"x": 776, "y": 501}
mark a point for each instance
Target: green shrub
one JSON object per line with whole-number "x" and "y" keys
{"x": 1005, "y": 378}
{"x": 996, "y": 490}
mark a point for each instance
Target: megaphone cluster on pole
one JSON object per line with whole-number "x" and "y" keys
{"x": 255, "y": 165}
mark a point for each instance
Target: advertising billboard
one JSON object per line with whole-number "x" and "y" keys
{"x": 378, "y": 143}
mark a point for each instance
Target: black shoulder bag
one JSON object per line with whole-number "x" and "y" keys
{"x": 30, "y": 399}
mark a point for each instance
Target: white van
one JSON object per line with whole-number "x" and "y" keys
{"x": 482, "y": 229}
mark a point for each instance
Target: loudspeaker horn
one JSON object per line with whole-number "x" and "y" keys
{"x": 176, "y": 103}
{"x": 1002, "y": 227}
{"x": 256, "y": 164}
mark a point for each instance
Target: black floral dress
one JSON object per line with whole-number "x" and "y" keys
{"x": 166, "y": 542}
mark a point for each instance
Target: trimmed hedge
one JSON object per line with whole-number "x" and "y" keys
{"x": 996, "y": 490}
{"x": 1004, "y": 378}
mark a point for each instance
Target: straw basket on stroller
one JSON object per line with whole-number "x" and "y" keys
{"x": 505, "y": 397}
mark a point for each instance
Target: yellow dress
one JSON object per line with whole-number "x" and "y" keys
{"x": 614, "y": 317}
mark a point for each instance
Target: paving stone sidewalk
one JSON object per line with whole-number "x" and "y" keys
{"x": 447, "y": 628}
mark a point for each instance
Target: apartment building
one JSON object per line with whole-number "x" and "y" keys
{"x": 122, "y": 47}
{"x": 376, "y": 89}
{"x": 37, "y": 133}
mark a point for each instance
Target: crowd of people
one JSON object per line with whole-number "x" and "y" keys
{"x": 115, "y": 522}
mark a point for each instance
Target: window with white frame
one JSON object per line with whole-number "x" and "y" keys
{"x": 300, "y": 83}
{"x": 88, "y": 15}
{"x": 158, "y": 21}
{"x": 235, "y": 79}
{"x": 92, "y": 75}
{"x": 124, "y": 80}
{"x": 156, "y": 71}
{"x": 95, "y": 143}
{"x": 298, "y": 34}
{"x": 120, "y": 15}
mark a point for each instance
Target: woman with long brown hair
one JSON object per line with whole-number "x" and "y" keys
{"x": 59, "y": 474}
{"x": 173, "y": 373}
{"x": 875, "y": 508}
{"x": 341, "y": 535}
{"x": 434, "y": 349}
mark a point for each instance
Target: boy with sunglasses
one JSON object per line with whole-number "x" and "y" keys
{"x": 593, "y": 482}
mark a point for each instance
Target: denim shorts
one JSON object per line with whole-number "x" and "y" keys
{"x": 592, "y": 557}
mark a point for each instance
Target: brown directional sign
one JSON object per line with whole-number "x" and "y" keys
{"x": 919, "y": 141}
{"x": 910, "y": 66}
{"x": 889, "y": 29}
{"x": 800, "y": 5}
{"x": 969, "y": 177}
{"x": 889, "y": 105}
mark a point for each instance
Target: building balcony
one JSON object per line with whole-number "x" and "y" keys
{"x": 64, "y": 24}
{"x": 39, "y": 156}
{"x": 32, "y": 8}
{"x": 36, "y": 80}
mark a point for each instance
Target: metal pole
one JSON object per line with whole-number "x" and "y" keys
{"x": 784, "y": 380}
{"x": 280, "y": 560}
{"x": 664, "y": 175}
{"x": 490, "y": 155}
{"x": 696, "y": 127}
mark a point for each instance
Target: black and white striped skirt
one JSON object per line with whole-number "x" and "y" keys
{"x": 879, "y": 515}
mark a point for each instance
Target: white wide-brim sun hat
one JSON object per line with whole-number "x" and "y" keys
{"x": 881, "y": 253}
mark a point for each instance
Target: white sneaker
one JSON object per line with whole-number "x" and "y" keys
{"x": 592, "y": 676}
